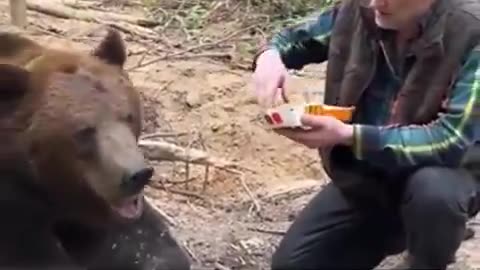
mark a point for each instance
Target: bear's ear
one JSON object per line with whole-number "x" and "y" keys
{"x": 112, "y": 49}
{"x": 14, "y": 82}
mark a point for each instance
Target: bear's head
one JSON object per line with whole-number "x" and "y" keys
{"x": 76, "y": 118}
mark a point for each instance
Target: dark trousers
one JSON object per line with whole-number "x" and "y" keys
{"x": 428, "y": 218}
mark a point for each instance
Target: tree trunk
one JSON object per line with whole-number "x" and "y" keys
{"x": 18, "y": 12}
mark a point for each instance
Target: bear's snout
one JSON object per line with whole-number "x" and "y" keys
{"x": 135, "y": 181}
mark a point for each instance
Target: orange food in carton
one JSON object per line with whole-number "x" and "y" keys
{"x": 288, "y": 115}
{"x": 341, "y": 113}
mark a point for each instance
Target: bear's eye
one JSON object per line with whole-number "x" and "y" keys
{"x": 85, "y": 138}
{"x": 85, "y": 141}
{"x": 129, "y": 118}
{"x": 85, "y": 134}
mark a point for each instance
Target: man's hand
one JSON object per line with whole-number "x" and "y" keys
{"x": 324, "y": 131}
{"x": 269, "y": 79}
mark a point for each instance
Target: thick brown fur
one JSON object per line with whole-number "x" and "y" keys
{"x": 51, "y": 101}
{"x": 43, "y": 108}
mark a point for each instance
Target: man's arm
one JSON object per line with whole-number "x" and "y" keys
{"x": 443, "y": 142}
{"x": 306, "y": 42}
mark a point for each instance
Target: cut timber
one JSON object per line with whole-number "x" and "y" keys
{"x": 64, "y": 12}
{"x": 18, "y": 12}
{"x": 135, "y": 30}
{"x": 160, "y": 150}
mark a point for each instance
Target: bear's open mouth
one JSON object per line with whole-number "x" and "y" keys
{"x": 130, "y": 207}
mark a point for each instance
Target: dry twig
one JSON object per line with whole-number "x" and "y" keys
{"x": 221, "y": 55}
{"x": 79, "y": 5}
{"x": 190, "y": 252}
{"x": 187, "y": 163}
{"x": 188, "y": 194}
{"x": 298, "y": 187}
{"x": 249, "y": 192}
{"x": 159, "y": 150}
{"x": 219, "y": 266}
{"x": 185, "y": 193}
{"x": 132, "y": 29}
{"x": 161, "y": 89}
{"x": 163, "y": 135}
{"x": 125, "y": 23}
{"x": 182, "y": 4}
{"x": 267, "y": 231}
{"x": 207, "y": 167}
{"x": 186, "y": 181}
{"x": 193, "y": 48}
{"x": 164, "y": 151}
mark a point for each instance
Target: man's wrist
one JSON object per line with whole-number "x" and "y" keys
{"x": 263, "y": 49}
{"x": 347, "y": 135}
{"x": 351, "y": 136}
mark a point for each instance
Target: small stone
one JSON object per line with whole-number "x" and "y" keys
{"x": 215, "y": 127}
{"x": 190, "y": 72}
{"x": 193, "y": 99}
{"x": 229, "y": 107}
{"x": 252, "y": 244}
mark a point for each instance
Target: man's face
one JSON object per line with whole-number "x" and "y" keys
{"x": 397, "y": 14}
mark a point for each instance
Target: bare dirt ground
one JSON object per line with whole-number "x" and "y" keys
{"x": 205, "y": 103}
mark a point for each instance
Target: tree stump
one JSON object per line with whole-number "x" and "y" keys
{"x": 18, "y": 12}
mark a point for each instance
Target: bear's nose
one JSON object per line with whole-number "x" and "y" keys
{"x": 134, "y": 182}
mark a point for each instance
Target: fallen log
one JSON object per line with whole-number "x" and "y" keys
{"x": 64, "y": 12}
{"x": 164, "y": 151}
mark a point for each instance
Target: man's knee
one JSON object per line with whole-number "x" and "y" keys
{"x": 293, "y": 253}
{"x": 435, "y": 210}
{"x": 288, "y": 255}
{"x": 281, "y": 262}
{"x": 434, "y": 192}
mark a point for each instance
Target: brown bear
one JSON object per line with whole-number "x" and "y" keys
{"x": 71, "y": 173}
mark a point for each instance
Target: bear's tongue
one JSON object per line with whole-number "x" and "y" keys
{"x": 130, "y": 207}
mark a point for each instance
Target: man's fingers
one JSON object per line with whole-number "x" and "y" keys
{"x": 264, "y": 96}
{"x": 295, "y": 134}
{"x": 278, "y": 97}
{"x": 314, "y": 121}
{"x": 288, "y": 132}
{"x": 278, "y": 91}
{"x": 304, "y": 137}
{"x": 282, "y": 84}
{"x": 269, "y": 85}
{"x": 274, "y": 95}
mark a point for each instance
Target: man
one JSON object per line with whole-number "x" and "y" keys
{"x": 403, "y": 172}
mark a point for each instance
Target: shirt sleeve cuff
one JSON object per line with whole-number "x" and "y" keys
{"x": 365, "y": 140}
